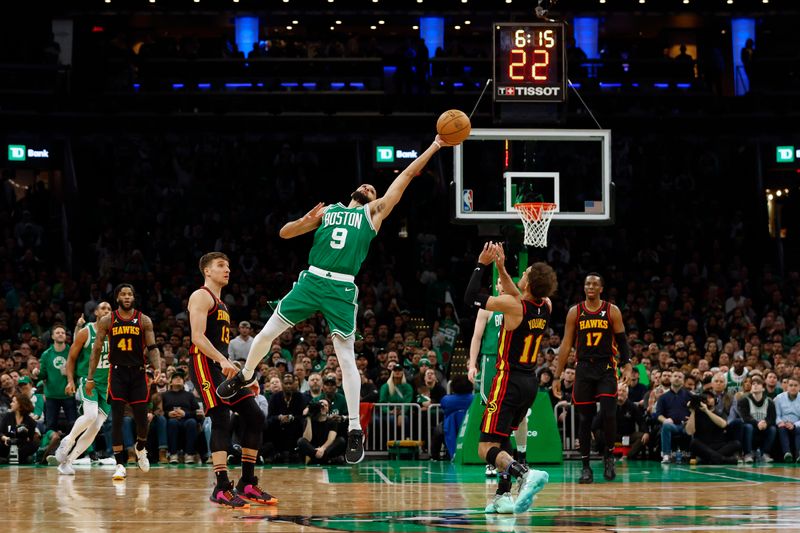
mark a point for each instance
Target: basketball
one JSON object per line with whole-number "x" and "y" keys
{"x": 454, "y": 126}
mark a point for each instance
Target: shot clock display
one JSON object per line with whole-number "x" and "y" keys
{"x": 529, "y": 62}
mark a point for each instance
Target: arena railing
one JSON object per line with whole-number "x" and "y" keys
{"x": 384, "y": 426}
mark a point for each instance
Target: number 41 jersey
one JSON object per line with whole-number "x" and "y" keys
{"x": 342, "y": 240}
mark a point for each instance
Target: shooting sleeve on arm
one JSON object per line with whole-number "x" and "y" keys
{"x": 471, "y": 296}
{"x": 624, "y": 348}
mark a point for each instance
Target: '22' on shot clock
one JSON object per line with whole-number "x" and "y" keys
{"x": 529, "y": 62}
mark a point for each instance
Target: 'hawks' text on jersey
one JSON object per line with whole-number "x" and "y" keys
{"x": 595, "y": 336}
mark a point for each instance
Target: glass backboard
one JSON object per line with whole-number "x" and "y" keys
{"x": 497, "y": 168}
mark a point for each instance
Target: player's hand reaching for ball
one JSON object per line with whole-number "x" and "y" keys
{"x": 487, "y": 254}
{"x": 441, "y": 143}
{"x": 316, "y": 212}
{"x": 499, "y": 255}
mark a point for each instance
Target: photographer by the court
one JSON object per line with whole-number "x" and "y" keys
{"x": 708, "y": 432}
{"x": 319, "y": 443}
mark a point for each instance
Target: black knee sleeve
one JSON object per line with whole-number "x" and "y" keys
{"x": 220, "y": 428}
{"x": 117, "y": 417}
{"x": 491, "y": 455}
{"x": 140, "y": 417}
{"x": 505, "y": 445}
{"x": 252, "y": 421}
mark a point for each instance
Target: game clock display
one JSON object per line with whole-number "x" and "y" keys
{"x": 529, "y": 62}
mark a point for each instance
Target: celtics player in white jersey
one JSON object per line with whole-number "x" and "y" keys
{"x": 95, "y": 406}
{"x": 341, "y": 242}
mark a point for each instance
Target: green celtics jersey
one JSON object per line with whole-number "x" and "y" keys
{"x": 342, "y": 241}
{"x": 82, "y": 368}
{"x": 491, "y": 334}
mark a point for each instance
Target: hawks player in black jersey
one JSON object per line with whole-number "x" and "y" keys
{"x": 526, "y": 315}
{"x": 130, "y": 335}
{"x": 596, "y": 329}
{"x": 211, "y": 334}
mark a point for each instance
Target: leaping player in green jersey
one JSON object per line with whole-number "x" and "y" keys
{"x": 341, "y": 242}
{"x": 95, "y": 405}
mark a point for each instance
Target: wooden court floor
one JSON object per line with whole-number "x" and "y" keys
{"x": 404, "y": 496}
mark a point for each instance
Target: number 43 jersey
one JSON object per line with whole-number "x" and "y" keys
{"x": 342, "y": 240}
{"x": 519, "y": 348}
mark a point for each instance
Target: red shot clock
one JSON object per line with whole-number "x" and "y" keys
{"x": 529, "y": 62}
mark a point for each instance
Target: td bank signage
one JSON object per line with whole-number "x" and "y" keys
{"x": 395, "y": 155}
{"x": 20, "y": 152}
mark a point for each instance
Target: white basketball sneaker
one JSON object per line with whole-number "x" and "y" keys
{"x": 62, "y": 452}
{"x": 142, "y": 461}
{"x": 120, "y": 473}
{"x": 65, "y": 469}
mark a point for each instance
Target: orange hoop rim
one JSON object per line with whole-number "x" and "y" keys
{"x": 534, "y": 210}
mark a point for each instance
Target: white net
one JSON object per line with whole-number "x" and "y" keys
{"x": 536, "y": 218}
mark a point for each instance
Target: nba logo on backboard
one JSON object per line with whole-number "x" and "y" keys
{"x": 467, "y": 200}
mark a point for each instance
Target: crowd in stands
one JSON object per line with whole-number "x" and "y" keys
{"x": 703, "y": 315}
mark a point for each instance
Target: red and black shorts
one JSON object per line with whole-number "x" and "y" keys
{"x": 510, "y": 397}
{"x": 207, "y": 375}
{"x": 594, "y": 379}
{"x": 128, "y": 384}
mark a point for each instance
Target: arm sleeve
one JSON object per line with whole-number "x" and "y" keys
{"x": 624, "y": 348}
{"x": 659, "y": 411}
{"x": 471, "y": 296}
{"x": 771, "y": 413}
{"x": 744, "y": 410}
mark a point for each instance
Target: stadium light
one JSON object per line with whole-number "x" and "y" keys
{"x": 415, "y": 27}
{"x": 338, "y": 22}
{"x": 295, "y": 22}
{"x": 381, "y": 22}
{"x": 467, "y": 22}
{"x": 373, "y": 27}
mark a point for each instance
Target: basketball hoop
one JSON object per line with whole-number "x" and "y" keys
{"x": 536, "y": 217}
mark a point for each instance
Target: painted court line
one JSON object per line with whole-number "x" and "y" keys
{"x": 762, "y": 473}
{"x": 382, "y": 475}
{"x": 325, "y": 478}
{"x": 719, "y": 475}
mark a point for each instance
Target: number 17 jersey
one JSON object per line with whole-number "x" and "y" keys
{"x": 341, "y": 242}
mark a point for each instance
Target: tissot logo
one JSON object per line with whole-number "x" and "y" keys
{"x": 528, "y": 91}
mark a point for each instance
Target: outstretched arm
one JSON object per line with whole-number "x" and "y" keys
{"x": 72, "y": 358}
{"x": 566, "y": 347}
{"x": 379, "y": 209}
{"x": 618, "y": 325}
{"x": 101, "y": 330}
{"x": 308, "y": 222}
{"x": 152, "y": 348}
{"x": 475, "y": 344}
{"x": 505, "y": 280}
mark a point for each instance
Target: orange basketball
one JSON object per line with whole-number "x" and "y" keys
{"x": 453, "y": 126}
